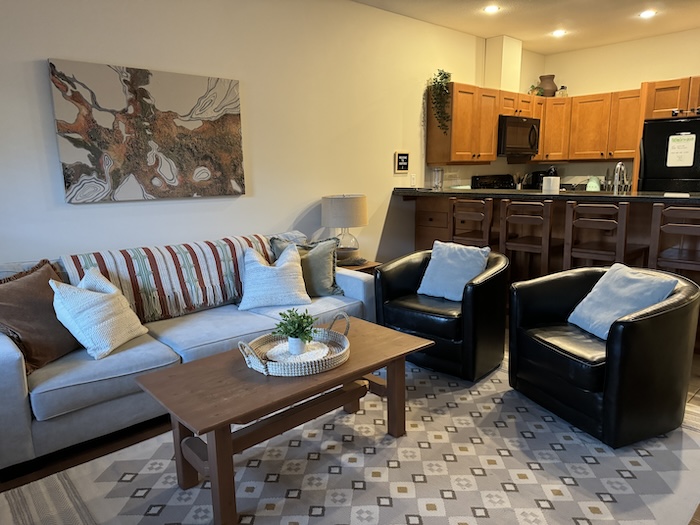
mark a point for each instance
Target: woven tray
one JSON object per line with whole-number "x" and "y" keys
{"x": 255, "y": 352}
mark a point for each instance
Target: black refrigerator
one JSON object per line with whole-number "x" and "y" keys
{"x": 670, "y": 155}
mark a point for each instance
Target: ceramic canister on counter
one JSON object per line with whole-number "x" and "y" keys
{"x": 551, "y": 185}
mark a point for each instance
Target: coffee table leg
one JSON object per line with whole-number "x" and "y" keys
{"x": 223, "y": 493}
{"x": 396, "y": 397}
{"x": 187, "y": 475}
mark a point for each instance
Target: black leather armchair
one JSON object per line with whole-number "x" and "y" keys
{"x": 632, "y": 386}
{"x": 469, "y": 335}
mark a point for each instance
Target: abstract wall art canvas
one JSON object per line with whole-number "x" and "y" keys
{"x": 128, "y": 134}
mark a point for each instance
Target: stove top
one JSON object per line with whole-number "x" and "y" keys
{"x": 493, "y": 182}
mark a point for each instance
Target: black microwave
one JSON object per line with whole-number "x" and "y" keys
{"x": 518, "y": 135}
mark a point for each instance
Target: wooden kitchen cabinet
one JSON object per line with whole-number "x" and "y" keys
{"x": 473, "y": 128}
{"x": 625, "y": 112}
{"x": 672, "y": 98}
{"x": 487, "y": 125}
{"x": 590, "y": 124}
{"x": 518, "y": 104}
{"x": 432, "y": 221}
{"x": 538, "y": 109}
{"x": 557, "y": 123}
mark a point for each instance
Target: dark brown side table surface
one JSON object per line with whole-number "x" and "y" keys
{"x": 206, "y": 396}
{"x": 367, "y": 267}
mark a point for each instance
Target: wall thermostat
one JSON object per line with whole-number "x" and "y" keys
{"x": 401, "y": 162}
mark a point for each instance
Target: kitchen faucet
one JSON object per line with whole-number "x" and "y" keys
{"x": 620, "y": 178}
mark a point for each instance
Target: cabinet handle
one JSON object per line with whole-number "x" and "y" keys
{"x": 610, "y": 153}
{"x": 430, "y": 219}
{"x": 478, "y": 155}
{"x": 602, "y": 154}
{"x": 675, "y": 112}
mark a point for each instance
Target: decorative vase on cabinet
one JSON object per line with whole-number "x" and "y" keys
{"x": 548, "y": 86}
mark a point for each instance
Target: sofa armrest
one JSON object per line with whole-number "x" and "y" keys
{"x": 15, "y": 413}
{"x": 360, "y": 286}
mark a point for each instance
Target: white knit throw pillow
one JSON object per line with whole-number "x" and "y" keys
{"x": 279, "y": 284}
{"x": 96, "y": 313}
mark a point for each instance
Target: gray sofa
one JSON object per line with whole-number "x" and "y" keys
{"x": 77, "y": 398}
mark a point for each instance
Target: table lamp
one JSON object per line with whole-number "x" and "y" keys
{"x": 344, "y": 211}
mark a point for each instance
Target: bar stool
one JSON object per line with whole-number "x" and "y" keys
{"x": 471, "y": 221}
{"x": 674, "y": 239}
{"x": 608, "y": 218}
{"x": 527, "y": 227}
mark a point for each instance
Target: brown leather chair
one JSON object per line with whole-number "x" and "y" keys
{"x": 471, "y": 221}
{"x": 469, "y": 334}
{"x": 630, "y": 387}
{"x": 675, "y": 238}
{"x": 598, "y": 232}
{"x": 527, "y": 227}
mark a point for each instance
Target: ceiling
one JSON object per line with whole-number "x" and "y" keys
{"x": 589, "y": 23}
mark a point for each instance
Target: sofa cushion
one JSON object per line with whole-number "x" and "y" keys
{"x": 324, "y": 309}
{"x": 77, "y": 380}
{"x": 278, "y": 284}
{"x": 318, "y": 261}
{"x": 209, "y": 332}
{"x": 161, "y": 282}
{"x": 28, "y": 318}
{"x": 96, "y": 313}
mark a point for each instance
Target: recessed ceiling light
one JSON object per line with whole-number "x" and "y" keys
{"x": 490, "y": 9}
{"x": 649, "y": 13}
{"x": 559, "y": 33}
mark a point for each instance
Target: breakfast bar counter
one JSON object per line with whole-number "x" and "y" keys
{"x": 434, "y": 214}
{"x": 563, "y": 195}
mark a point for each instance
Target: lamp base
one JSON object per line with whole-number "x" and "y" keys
{"x": 348, "y": 247}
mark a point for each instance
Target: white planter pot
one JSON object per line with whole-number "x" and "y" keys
{"x": 296, "y": 346}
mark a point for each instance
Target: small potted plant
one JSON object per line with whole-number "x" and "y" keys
{"x": 298, "y": 328}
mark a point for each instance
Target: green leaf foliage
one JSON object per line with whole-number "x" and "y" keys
{"x": 295, "y": 324}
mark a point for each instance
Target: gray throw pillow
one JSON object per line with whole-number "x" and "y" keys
{"x": 620, "y": 292}
{"x": 318, "y": 260}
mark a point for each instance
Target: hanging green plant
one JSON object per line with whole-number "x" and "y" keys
{"x": 440, "y": 98}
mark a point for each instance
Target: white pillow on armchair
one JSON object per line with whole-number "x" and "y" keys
{"x": 451, "y": 267}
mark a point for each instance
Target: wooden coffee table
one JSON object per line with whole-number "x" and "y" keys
{"x": 206, "y": 396}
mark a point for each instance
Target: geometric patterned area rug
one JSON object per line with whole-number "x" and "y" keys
{"x": 474, "y": 454}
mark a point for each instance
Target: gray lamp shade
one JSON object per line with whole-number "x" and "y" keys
{"x": 344, "y": 211}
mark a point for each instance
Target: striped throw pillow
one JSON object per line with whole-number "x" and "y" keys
{"x": 161, "y": 282}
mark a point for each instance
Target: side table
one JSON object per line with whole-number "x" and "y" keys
{"x": 368, "y": 267}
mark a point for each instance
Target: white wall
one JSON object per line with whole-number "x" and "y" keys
{"x": 329, "y": 90}
{"x": 625, "y": 66}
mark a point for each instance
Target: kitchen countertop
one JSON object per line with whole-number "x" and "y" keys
{"x": 581, "y": 196}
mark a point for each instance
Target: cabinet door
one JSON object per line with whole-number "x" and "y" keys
{"x": 590, "y": 123}
{"x": 557, "y": 115}
{"x": 432, "y": 221}
{"x": 525, "y": 105}
{"x": 508, "y": 103}
{"x": 457, "y": 145}
{"x": 625, "y": 110}
{"x": 465, "y": 107}
{"x": 694, "y": 97}
{"x": 486, "y": 125}
{"x": 538, "y": 110}
{"x": 667, "y": 98}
